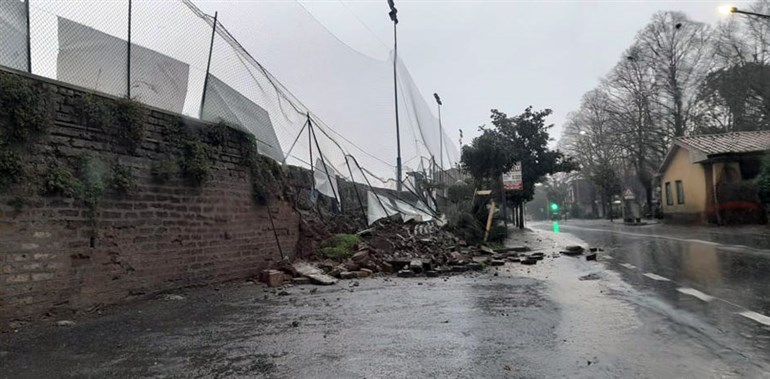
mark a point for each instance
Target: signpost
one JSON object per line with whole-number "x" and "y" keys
{"x": 512, "y": 179}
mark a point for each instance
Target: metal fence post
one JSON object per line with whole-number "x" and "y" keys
{"x": 128, "y": 54}
{"x": 208, "y": 65}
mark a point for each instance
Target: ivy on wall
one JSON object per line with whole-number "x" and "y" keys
{"x": 27, "y": 113}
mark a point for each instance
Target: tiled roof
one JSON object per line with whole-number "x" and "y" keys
{"x": 736, "y": 142}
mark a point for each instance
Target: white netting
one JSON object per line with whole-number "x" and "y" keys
{"x": 13, "y": 34}
{"x": 347, "y": 98}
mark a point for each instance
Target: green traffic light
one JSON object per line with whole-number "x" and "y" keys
{"x": 554, "y": 207}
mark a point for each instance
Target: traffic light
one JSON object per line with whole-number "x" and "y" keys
{"x": 554, "y": 207}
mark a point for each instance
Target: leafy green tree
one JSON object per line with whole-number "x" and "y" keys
{"x": 522, "y": 138}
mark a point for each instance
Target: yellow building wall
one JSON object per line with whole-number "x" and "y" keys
{"x": 693, "y": 180}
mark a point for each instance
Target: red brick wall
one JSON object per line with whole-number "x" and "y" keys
{"x": 53, "y": 260}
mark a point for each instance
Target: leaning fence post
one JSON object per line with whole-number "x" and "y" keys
{"x": 208, "y": 65}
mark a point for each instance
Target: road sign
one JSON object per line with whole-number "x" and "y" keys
{"x": 512, "y": 179}
{"x": 628, "y": 195}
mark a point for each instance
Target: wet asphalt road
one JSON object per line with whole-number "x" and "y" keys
{"x": 718, "y": 276}
{"x": 563, "y": 318}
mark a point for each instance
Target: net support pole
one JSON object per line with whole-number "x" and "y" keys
{"x": 355, "y": 188}
{"x": 312, "y": 166}
{"x": 323, "y": 161}
{"x": 275, "y": 233}
{"x": 370, "y": 187}
{"x": 208, "y": 64}
{"x": 29, "y": 44}
{"x": 286, "y": 156}
{"x": 128, "y": 54}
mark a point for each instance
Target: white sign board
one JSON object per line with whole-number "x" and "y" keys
{"x": 512, "y": 179}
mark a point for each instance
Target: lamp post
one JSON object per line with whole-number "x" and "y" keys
{"x": 394, "y": 18}
{"x": 440, "y": 139}
{"x": 727, "y": 9}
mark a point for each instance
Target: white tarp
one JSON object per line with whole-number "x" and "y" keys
{"x": 13, "y": 34}
{"x": 322, "y": 183}
{"x": 386, "y": 206}
{"x": 226, "y": 104}
{"x": 96, "y": 60}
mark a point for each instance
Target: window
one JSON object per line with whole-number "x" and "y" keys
{"x": 679, "y": 192}
{"x": 669, "y": 200}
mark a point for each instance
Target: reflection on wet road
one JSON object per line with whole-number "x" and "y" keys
{"x": 721, "y": 276}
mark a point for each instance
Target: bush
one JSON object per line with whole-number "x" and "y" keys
{"x": 95, "y": 112}
{"x": 26, "y": 109}
{"x": 11, "y": 167}
{"x": 129, "y": 116}
{"x": 60, "y": 181}
{"x": 340, "y": 246}
{"x": 122, "y": 179}
{"x": 195, "y": 162}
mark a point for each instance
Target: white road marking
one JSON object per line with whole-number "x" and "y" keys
{"x": 695, "y": 293}
{"x": 758, "y": 317}
{"x": 656, "y": 277}
{"x": 628, "y": 266}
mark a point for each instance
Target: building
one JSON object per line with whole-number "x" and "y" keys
{"x": 709, "y": 178}
{"x": 582, "y": 199}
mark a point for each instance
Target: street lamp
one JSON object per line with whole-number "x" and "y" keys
{"x": 727, "y": 9}
{"x": 440, "y": 137}
{"x": 393, "y": 17}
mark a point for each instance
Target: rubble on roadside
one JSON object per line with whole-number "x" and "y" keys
{"x": 405, "y": 250}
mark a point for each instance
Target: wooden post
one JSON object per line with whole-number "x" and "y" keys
{"x": 489, "y": 219}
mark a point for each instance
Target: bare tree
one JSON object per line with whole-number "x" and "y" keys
{"x": 679, "y": 51}
{"x": 591, "y": 136}
{"x": 632, "y": 90}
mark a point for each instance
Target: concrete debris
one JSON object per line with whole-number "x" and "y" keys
{"x": 273, "y": 278}
{"x": 300, "y": 280}
{"x": 404, "y": 249}
{"x": 528, "y": 261}
{"x": 475, "y": 266}
{"x": 406, "y": 273}
{"x": 416, "y": 266}
{"x": 574, "y": 248}
{"x": 313, "y": 273}
{"x": 65, "y": 323}
{"x": 365, "y": 273}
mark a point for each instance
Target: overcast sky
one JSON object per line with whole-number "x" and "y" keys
{"x": 507, "y": 55}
